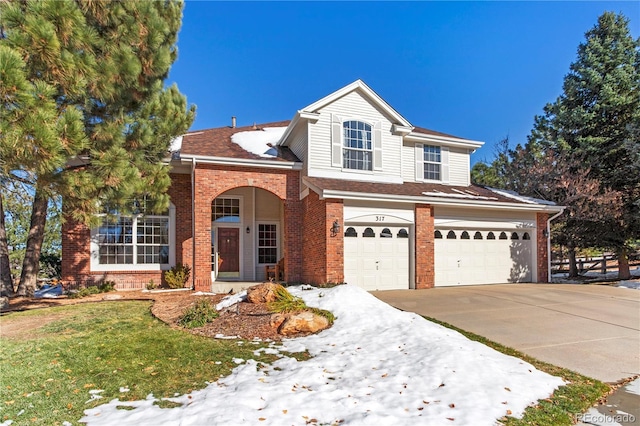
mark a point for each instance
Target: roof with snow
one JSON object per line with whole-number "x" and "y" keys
{"x": 249, "y": 142}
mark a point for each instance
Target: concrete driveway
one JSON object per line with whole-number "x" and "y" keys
{"x": 591, "y": 329}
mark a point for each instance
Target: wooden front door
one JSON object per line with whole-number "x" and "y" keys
{"x": 229, "y": 251}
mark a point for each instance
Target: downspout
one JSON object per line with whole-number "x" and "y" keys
{"x": 549, "y": 243}
{"x": 193, "y": 223}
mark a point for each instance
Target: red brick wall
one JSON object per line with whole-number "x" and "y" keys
{"x": 424, "y": 253}
{"x": 542, "y": 253}
{"x": 323, "y": 260}
{"x": 76, "y": 268}
{"x": 213, "y": 180}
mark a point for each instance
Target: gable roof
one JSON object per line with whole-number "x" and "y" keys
{"x": 360, "y": 86}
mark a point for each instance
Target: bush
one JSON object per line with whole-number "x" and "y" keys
{"x": 199, "y": 314}
{"x": 286, "y": 302}
{"x": 151, "y": 285}
{"x": 177, "y": 276}
{"x": 104, "y": 287}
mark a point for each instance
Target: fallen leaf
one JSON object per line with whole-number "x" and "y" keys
{"x": 452, "y": 405}
{"x": 262, "y": 419}
{"x": 284, "y": 411}
{"x": 507, "y": 389}
{"x": 508, "y": 412}
{"x": 450, "y": 418}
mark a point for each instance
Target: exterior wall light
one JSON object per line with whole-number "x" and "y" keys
{"x": 335, "y": 228}
{"x": 545, "y": 233}
{"x": 248, "y": 230}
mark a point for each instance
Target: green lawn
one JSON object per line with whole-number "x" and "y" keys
{"x": 48, "y": 373}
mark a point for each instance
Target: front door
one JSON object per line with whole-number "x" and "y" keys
{"x": 229, "y": 252}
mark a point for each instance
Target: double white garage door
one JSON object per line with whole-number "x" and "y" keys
{"x": 377, "y": 257}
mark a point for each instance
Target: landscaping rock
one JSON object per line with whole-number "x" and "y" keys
{"x": 4, "y": 303}
{"x": 262, "y": 293}
{"x": 277, "y": 320}
{"x": 302, "y": 322}
{"x": 112, "y": 297}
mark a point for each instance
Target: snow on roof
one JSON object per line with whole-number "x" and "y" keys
{"x": 259, "y": 141}
{"x": 521, "y": 198}
{"x": 176, "y": 144}
{"x": 458, "y": 194}
{"x": 377, "y": 365}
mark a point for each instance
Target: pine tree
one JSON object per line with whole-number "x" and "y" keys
{"x": 85, "y": 114}
{"x": 597, "y": 120}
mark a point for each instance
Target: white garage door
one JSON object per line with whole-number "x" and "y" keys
{"x": 377, "y": 257}
{"x": 468, "y": 256}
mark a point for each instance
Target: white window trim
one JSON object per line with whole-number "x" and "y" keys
{"x": 257, "y": 240}
{"x": 444, "y": 163}
{"x": 95, "y": 264}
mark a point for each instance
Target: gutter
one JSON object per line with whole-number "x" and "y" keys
{"x": 193, "y": 223}
{"x": 549, "y": 242}
{"x": 225, "y": 161}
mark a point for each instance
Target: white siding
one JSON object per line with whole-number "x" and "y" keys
{"x": 408, "y": 163}
{"x": 298, "y": 142}
{"x": 353, "y": 106}
{"x": 459, "y": 167}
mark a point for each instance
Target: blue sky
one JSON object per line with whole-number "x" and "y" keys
{"x": 478, "y": 70}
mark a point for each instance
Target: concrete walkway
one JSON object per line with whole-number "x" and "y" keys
{"x": 591, "y": 329}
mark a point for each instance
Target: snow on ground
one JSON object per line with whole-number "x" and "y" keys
{"x": 375, "y": 366}
{"x": 258, "y": 141}
{"x": 634, "y": 283}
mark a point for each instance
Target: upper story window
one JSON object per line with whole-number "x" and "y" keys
{"x": 357, "y": 152}
{"x": 432, "y": 162}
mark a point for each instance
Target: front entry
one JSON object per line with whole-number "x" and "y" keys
{"x": 228, "y": 245}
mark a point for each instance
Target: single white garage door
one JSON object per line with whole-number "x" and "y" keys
{"x": 468, "y": 256}
{"x": 377, "y": 257}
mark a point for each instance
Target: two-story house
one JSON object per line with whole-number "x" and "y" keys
{"x": 348, "y": 191}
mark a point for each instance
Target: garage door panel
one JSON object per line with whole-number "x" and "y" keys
{"x": 482, "y": 261}
{"x": 377, "y": 263}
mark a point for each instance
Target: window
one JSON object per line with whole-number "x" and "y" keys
{"x": 503, "y": 236}
{"x": 350, "y": 232}
{"x": 403, "y": 233}
{"x": 437, "y": 235}
{"x": 368, "y": 233}
{"x": 526, "y": 236}
{"x": 267, "y": 243}
{"x": 432, "y": 162}
{"x": 225, "y": 210}
{"x": 386, "y": 233}
{"x": 121, "y": 242}
{"x": 464, "y": 236}
{"x": 477, "y": 235}
{"x": 514, "y": 236}
{"x": 357, "y": 150}
{"x": 451, "y": 235}
{"x": 491, "y": 236}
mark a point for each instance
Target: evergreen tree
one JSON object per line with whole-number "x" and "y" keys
{"x": 84, "y": 112}
{"x": 596, "y": 119}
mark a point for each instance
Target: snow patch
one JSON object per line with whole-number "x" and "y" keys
{"x": 258, "y": 141}
{"x": 514, "y": 195}
{"x": 459, "y": 194}
{"x": 376, "y": 366}
{"x": 231, "y": 300}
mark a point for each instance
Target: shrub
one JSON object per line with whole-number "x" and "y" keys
{"x": 104, "y": 287}
{"x": 201, "y": 313}
{"x": 151, "y": 285}
{"x": 324, "y": 313}
{"x": 177, "y": 276}
{"x": 286, "y": 302}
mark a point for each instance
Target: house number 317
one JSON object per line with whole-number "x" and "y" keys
{"x": 379, "y": 218}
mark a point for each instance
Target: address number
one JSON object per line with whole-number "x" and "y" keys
{"x": 379, "y": 218}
